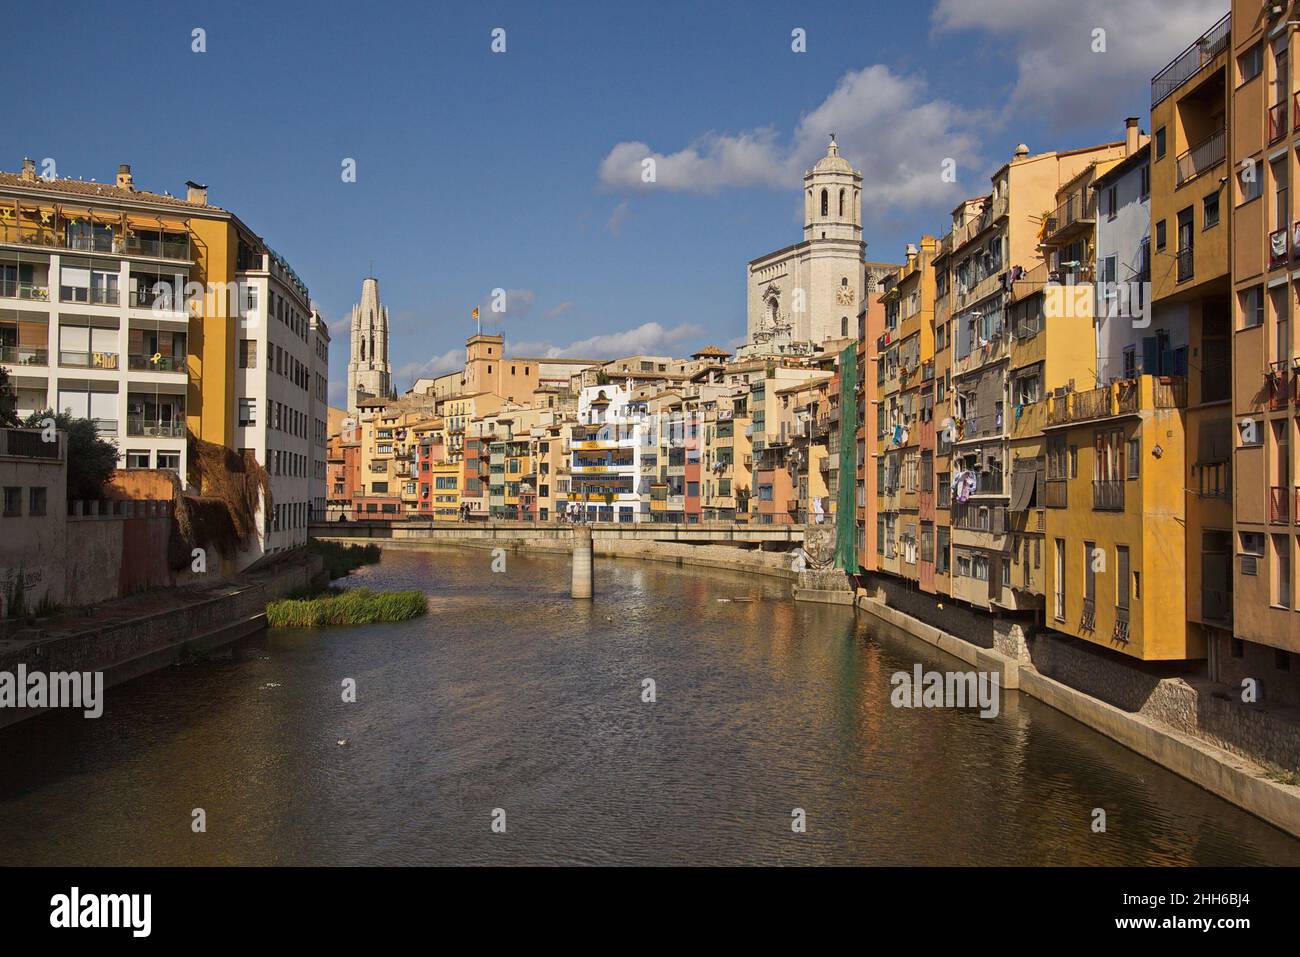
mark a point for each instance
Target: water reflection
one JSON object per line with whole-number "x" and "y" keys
{"x": 511, "y": 695}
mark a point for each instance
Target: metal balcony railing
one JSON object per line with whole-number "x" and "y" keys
{"x": 1279, "y": 248}
{"x": 24, "y": 355}
{"x": 1192, "y": 60}
{"x": 1186, "y": 264}
{"x": 1277, "y": 122}
{"x": 1202, "y": 157}
{"x": 13, "y": 289}
{"x": 1088, "y": 617}
{"x": 1279, "y": 500}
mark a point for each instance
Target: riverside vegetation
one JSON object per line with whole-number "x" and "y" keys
{"x": 350, "y": 606}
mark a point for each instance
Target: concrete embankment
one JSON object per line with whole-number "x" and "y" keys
{"x": 1230, "y": 776}
{"x": 131, "y": 637}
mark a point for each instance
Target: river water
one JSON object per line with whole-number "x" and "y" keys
{"x": 511, "y": 696}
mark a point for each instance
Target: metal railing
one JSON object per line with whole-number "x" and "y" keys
{"x": 159, "y": 364}
{"x": 1088, "y": 617}
{"x": 1192, "y": 60}
{"x": 24, "y": 355}
{"x": 28, "y": 444}
{"x": 1277, "y": 121}
{"x": 1202, "y": 157}
{"x": 88, "y": 360}
{"x": 137, "y": 425}
{"x": 13, "y": 289}
{"x": 1279, "y": 501}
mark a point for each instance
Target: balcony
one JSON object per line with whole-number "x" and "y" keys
{"x": 1088, "y": 617}
{"x": 28, "y": 444}
{"x": 1278, "y": 249}
{"x": 1124, "y": 397}
{"x": 1191, "y": 61}
{"x": 157, "y": 363}
{"x": 177, "y": 248}
{"x": 1276, "y": 380}
{"x": 24, "y": 356}
{"x": 13, "y": 289}
{"x": 1277, "y": 122}
{"x": 1202, "y": 157}
{"x": 1076, "y": 214}
{"x": 1279, "y": 500}
{"x": 1108, "y": 495}
{"x": 88, "y": 360}
{"x": 138, "y": 425}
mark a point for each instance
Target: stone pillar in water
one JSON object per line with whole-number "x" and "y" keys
{"x": 582, "y": 564}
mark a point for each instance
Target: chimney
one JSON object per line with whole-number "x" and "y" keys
{"x": 911, "y": 253}
{"x": 124, "y": 180}
{"x": 29, "y": 170}
{"x": 1132, "y": 136}
{"x": 196, "y": 193}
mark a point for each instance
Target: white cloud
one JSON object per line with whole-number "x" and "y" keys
{"x": 616, "y": 219}
{"x": 1057, "y": 76}
{"x": 649, "y": 338}
{"x": 560, "y": 310}
{"x": 449, "y": 361}
{"x": 884, "y": 124}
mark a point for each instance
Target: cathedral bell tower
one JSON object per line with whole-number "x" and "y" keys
{"x": 832, "y": 206}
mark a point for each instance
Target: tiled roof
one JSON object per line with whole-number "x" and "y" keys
{"x": 84, "y": 189}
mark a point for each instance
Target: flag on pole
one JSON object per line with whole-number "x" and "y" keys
{"x": 474, "y": 314}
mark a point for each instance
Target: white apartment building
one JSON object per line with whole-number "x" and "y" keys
{"x": 605, "y": 454}
{"x": 81, "y": 329}
{"x": 281, "y": 407}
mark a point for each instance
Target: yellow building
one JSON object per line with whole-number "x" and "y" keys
{"x": 444, "y": 481}
{"x": 1116, "y": 519}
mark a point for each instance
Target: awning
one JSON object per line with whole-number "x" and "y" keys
{"x": 1024, "y": 483}
{"x": 1215, "y": 443}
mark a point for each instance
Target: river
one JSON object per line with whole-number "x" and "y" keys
{"x": 511, "y": 696}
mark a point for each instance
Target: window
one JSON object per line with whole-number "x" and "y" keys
{"x": 1058, "y": 593}
{"x": 1160, "y": 143}
{"x": 1252, "y": 307}
{"x": 1210, "y": 214}
{"x": 1146, "y": 182}
{"x": 1282, "y": 570}
{"x": 137, "y": 459}
{"x": 1160, "y": 234}
{"x": 1133, "y": 452}
{"x": 248, "y": 353}
{"x": 170, "y": 461}
{"x": 247, "y": 412}
{"x": 1251, "y": 63}
{"x": 13, "y": 501}
{"x": 1112, "y": 202}
{"x": 1122, "y": 580}
{"x": 36, "y": 500}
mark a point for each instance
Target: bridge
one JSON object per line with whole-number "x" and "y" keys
{"x": 765, "y": 537}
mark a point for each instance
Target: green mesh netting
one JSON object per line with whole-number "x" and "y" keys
{"x": 846, "y": 531}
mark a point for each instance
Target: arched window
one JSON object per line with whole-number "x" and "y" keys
{"x": 844, "y": 326}
{"x": 825, "y": 203}
{"x": 363, "y": 350}
{"x": 841, "y": 204}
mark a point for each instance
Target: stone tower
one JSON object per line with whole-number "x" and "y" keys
{"x": 832, "y": 199}
{"x": 804, "y": 295}
{"x": 368, "y": 369}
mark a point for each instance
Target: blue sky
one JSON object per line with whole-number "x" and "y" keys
{"x": 478, "y": 171}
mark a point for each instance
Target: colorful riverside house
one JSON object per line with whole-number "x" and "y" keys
{"x": 911, "y": 300}
{"x": 475, "y": 468}
{"x": 1188, "y": 337}
{"x": 935, "y": 437}
{"x": 444, "y": 501}
{"x": 1116, "y": 518}
{"x": 990, "y": 252}
{"x": 605, "y": 454}
{"x": 871, "y": 326}
{"x": 1259, "y": 488}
